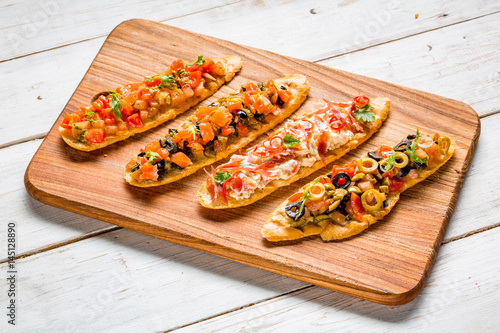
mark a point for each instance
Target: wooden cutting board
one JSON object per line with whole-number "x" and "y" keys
{"x": 388, "y": 263}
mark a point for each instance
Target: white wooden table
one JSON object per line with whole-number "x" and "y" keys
{"x": 79, "y": 274}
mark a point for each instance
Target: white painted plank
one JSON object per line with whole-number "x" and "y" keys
{"x": 313, "y": 30}
{"x": 124, "y": 281}
{"x": 29, "y": 26}
{"x": 460, "y": 62}
{"x": 414, "y": 67}
{"x": 462, "y": 295}
{"x": 37, "y": 224}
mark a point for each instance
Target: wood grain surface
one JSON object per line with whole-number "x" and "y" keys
{"x": 387, "y": 264}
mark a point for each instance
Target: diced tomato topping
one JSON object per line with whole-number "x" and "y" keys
{"x": 95, "y": 135}
{"x": 207, "y": 132}
{"x": 247, "y": 99}
{"x": 218, "y": 69}
{"x": 176, "y": 65}
{"x": 147, "y": 167}
{"x": 226, "y": 130}
{"x": 163, "y": 153}
{"x": 242, "y": 129}
{"x": 395, "y": 186}
{"x": 234, "y": 105}
{"x": 384, "y": 151}
{"x": 144, "y": 94}
{"x": 296, "y": 197}
{"x": 261, "y": 105}
{"x": 153, "y": 146}
{"x": 357, "y": 207}
{"x": 135, "y": 121}
{"x": 348, "y": 168}
{"x": 218, "y": 146}
{"x": 220, "y": 118}
{"x": 361, "y": 101}
{"x": 152, "y": 82}
{"x": 194, "y": 78}
{"x": 251, "y": 87}
{"x": 203, "y": 111}
{"x": 66, "y": 120}
{"x": 180, "y": 159}
{"x": 183, "y": 134}
{"x": 285, "y": 95}
{"x": 127, "y": 109}
{"x": 100, "y": 103}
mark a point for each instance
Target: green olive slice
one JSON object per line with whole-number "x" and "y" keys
{"x": 316, "y": 192}
{"x": 447, "y": 142}
{"x": 401, "y": 160}
{"x": 378, "y": 197}
{"x": 367, "y": 165}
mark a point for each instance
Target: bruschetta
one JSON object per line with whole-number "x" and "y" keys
{"x": 353, "y": 197}
{"x": 217, "y": 130}
{"x": 302, "y": 146}
{"x": 118, "y": 114}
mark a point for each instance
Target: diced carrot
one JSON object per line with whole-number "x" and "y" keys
{"x": 242, "y": 129}
{"x": 180, "y": 159}
{"x": 207, "y": 132}
{"x": 226, "y": 130}
{"x": 153, "y": 146}
{"x": 285, "y": 95}
{"x": 220, "y": 118}
{"x": 163, "y": 153}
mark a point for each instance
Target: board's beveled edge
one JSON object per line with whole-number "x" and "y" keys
{"x": 37, "y": 192}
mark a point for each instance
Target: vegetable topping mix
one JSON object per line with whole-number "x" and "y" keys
{"x": 300, "y": 143}
{"x": 210, "y": 130}
{"x": 134, "y": 104}
{"x": 362, "y": 186}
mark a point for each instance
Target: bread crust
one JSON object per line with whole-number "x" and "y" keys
{"x": 276, "y": 228}
{"x": 381, "y": 108}
{"x": 299, "y": 87}
{"x": 232, "y": 64}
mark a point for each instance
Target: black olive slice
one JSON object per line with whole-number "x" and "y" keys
{"x": 168, "y": 144}
{"x": 404, "y": 171}
{"x": 411, "y": 136}
{"x": 400, "y": 146}
{"x": 345, "y": 177}
{"x": 212, "y": 104}
{"x": 258, "y": 116}
{"x": 172, "y": 131}
{"x": 374, "y": 155}
{"x": 135, "y": 168}
{"x": 142, "y": 154}
{"x": 329, "y": 175}
{"x": 293, "y": 210}
{"x": 160, "y": 165}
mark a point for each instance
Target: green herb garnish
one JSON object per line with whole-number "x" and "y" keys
{"x": 289, "y": 141}
{"x": 221, "y": 177}
{"x": 88, "y": 116}
{"x": 115, "y": 105}
{"x": 413, "y": 147}
{"x": 363, "y": 115}
{"x": 198, "y": 62}
{"x": 304, "y": 197}
{"x": 390, "y": 161}
{"x": 151, "y": 156}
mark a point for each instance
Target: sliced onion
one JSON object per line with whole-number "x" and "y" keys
{"x": 425, "y": 142}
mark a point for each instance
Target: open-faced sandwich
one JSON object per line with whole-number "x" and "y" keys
{"x": 353, "y": 197}
{"x": 300, "y": 147}
{"x": 217, "y": 130}
{"x": 137, "y": 107}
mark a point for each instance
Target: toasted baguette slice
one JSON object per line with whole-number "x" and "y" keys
{"x": 201, "y": 149}
{"x": 165, "y": 101}
{"x": 340, "y": 221}
{"x": 338, "y": 141}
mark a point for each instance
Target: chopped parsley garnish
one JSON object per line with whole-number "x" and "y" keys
{"x": 413, "y": 147}
{"x": 221, "y": 177}
{"x": 88, "y": 116}
{"x": 289, "y": 141}
{"x": 363, "y": 115}
{"x": 151, "y": 156}
{"x": 198, "y": 62}
{"x": 115, "y": 105}
{"x": 390, "y": 161}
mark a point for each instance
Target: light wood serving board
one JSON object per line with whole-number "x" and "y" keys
{"x": 388, "y": 263}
